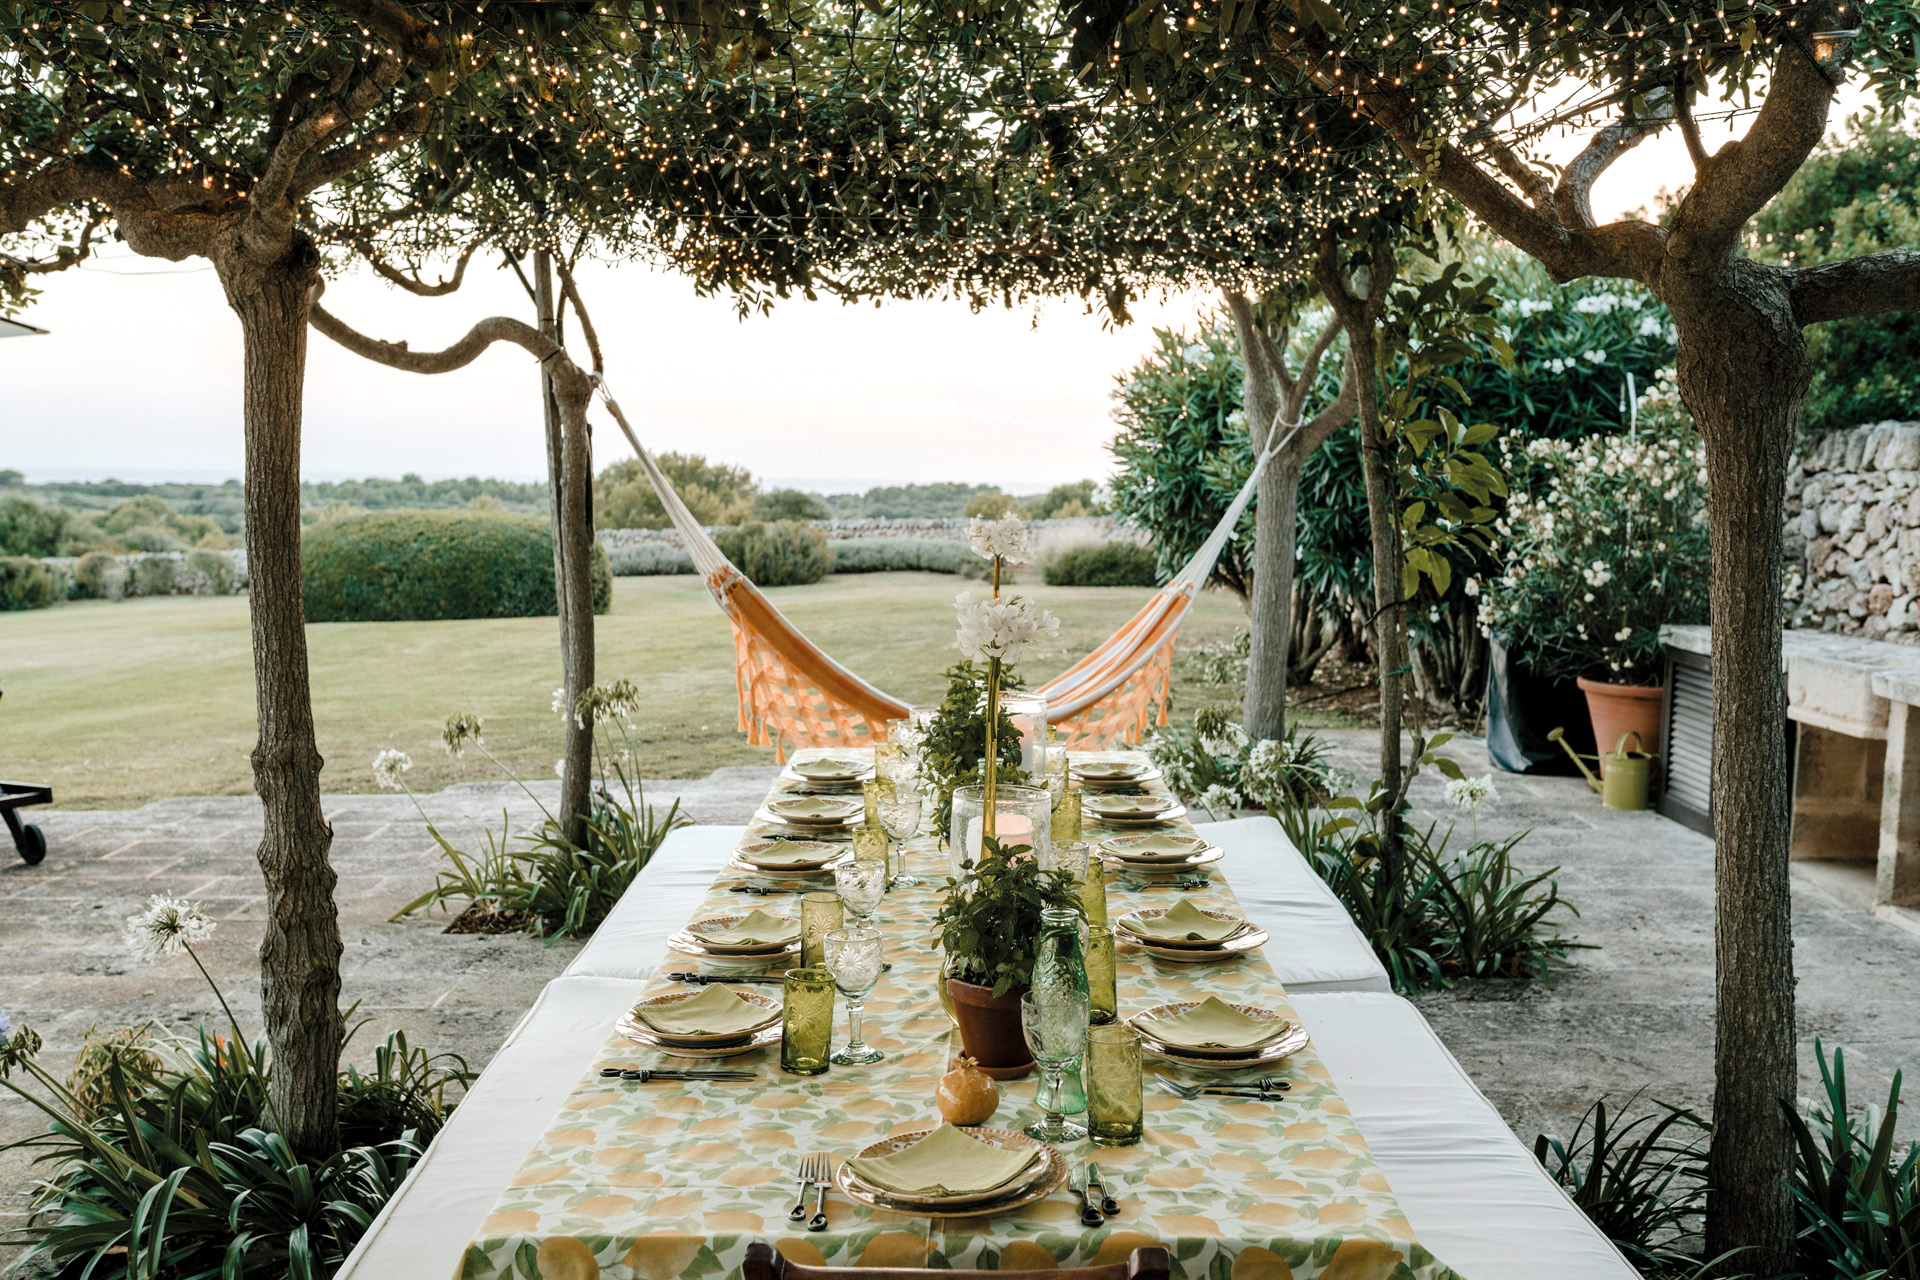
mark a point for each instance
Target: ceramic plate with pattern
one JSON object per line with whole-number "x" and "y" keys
{"x": 1002, "y": 1138}
{"x": 815, "y": 811}
{"x": 1158, "y": 846}
{"x": 1271, "y": 1052}
{"x": 688, "y": 943}
{"x": 702, "y": 1040}
{"x": 1126, "y": 805}
{"x": 1135, "y": 923}
{"x": 750, "y": 850}
{"x": 830, "y": 769}
{"x": 1252, "y": 940}
{"x": 1051, "y": 1180}
{"x": 640, "y": 1033}
{"x": 1161, "y": 866}
{"x": 1108, "y": 769}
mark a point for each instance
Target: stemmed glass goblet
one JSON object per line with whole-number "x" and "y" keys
{"x": 1055, "y": 1025}
{"x": 861, "y": 886}
{"x": 900, "y": 815}
{"x": 853, "y": 957}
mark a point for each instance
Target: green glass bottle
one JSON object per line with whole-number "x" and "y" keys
{"x": 1060, "y": 965}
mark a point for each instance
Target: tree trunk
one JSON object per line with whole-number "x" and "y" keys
{"x": 1743, "y": 373}
{"x": 571, "y": 394}
{"x": 577, "y": 753}
{"x": 300, "y": 954}
{"x": 1388, "y": 634}
{"x": 1270, "y": 600}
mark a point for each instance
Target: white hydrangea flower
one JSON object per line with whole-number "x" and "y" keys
{"x": 389, "y": 765}
{"x": 1007, "y": 539}
{"x": 1471, "y": 793}
{"x": 1001, "y": 628}
{"x": 1218, "y": 799}
{"x": 167, "y": 927}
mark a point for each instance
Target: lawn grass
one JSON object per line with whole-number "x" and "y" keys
{"x": 119, "y": 702}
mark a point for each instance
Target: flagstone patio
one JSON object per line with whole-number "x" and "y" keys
{"x": 1636, "y": 1012}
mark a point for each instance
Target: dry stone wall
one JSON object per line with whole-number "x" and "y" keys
{"x": 1853, "y": 532}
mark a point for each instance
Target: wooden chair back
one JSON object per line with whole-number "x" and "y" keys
{"x": 764, "y": 1262}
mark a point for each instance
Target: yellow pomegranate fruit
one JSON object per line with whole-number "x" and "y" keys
{"x": 967, "y": 1095}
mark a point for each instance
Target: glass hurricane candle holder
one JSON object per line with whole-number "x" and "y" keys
{"x": 806, "y": 1021}
{"x": 819, "y": 912}
{"x": 1028, "y": 711}
{"x": 1112, "y": 1074}
{"x": 1022, "y": 816}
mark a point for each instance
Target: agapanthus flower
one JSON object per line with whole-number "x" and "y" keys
{"x": 1005, "y": 539}
{"x": 1471, "y": 793}
{"x": 461, "y": 729}
{"x": 1001, "y": 628}
{"x": 1218, "y": 799}
{"x": 166, "y": 928}
{"x": 389, "y": 765}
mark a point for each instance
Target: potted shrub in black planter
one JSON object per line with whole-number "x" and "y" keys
{"x": 989, "y": 927}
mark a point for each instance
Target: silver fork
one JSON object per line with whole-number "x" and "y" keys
{"x": 812, "y": 1169}
{"x": 1247, "y": 1089}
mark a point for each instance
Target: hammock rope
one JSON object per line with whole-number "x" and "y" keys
{"x": 791, "y": 693}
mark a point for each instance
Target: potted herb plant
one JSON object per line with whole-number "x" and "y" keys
{"x": 989, "y": 927}
{"x": 1607, "y": 544}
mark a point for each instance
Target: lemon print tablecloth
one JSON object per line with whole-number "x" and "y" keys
{"x": 670, "y": 1181}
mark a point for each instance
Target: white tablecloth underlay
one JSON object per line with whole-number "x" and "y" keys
{"x": 1472, "y": 1192}
{"x": 1314, "y": 947}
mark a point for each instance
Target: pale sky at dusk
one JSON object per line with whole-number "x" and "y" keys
{"x": 140, "y": 376}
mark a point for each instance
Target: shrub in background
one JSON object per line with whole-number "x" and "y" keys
{"x": 29, "y": 528}
{"x": 783, "y": 554}
{"x": 1064, "y": 501}
{"x": 714, "y": 492}
{"x": 213, "y": 568}
{"x": 99, "y": 576}
{"x": 26, "y": 583}
{"x": 991, "y": 504}
{"x": 1102, "y": 564}
{"x": 648, "y": 559}
{"x": 789, "y": 504}
{"x": 425, "y": 565}
{"x": 151, "y": 575}
{"x": 893, "y": 555}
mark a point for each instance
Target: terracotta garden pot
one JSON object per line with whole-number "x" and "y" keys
{"x": 1623, "y": 708}
{"x": 990, "y": 1029}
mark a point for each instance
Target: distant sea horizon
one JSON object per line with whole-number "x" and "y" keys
{"x": 151, "y": 475}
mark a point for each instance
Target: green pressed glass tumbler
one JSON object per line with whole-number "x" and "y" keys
{"x": 806, "y": 1022}
{"x": 1066, "y": 816}
{"x": 1093, "y": 891}
{"x": 819, "y": 912}
{"x": 1112, "y": 1073}
{"x": 1103, "y": 1000}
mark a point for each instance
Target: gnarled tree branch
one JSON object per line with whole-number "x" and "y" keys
{"x": 1573, "y": 198}
{"x": 1867, "y": 286}
{"x": 410, "y": 280}
{"x": 461, "y": 353}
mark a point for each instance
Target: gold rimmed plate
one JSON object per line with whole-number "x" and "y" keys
{"x": 1127, "y": 805}
{"x": 1238, "y": 945}
{"x": 1050, "y": 1180}
{"x": 688, "y": 943}
{"x": 1109, "y": 770}
{"x": 770, "y": 1008}
{"x": 814, "y": 811}
{"x": 1143, "y": 1023}
{"x": 631, "y": 1028}
{"x": 1156, "y": 846}
{"x": 1275, "y": 1050}
{"x": 828, "y": 853}
{"x": 1005, "y": 1139}
{"x": 701, "y": 931}
{"x": 1163, "y": 866}
{"x": 1145, "y": 920}
{"x": 831, "y": 769}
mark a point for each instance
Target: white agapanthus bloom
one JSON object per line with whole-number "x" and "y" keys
{"x": 389, "y": 765}
{"x": 1471, "y": 793}
{"x": 560, "y": 702}
{"x": 1217, "y": 800}
{"x": 461, "y": 730}
{"x": 1000, "y": 628}
{"x": 1006, "y": 539}
{"x": 560, "y": 767}
{"x": 166, "y": 928}
{"x": 1228, "y": 742}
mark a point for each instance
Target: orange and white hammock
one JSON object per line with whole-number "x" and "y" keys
{"x": 791, "y": 694}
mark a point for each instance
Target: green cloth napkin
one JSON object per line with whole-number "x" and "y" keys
{"x": 1186, "y": 922}
{"x": 1167, "y": 844}
{"x": 946, "y": 1162}
{"x": 1109, "y": 769}
{"x": 815, "y": 808}
{"x": 757, "y": 927}
{"x": 1213, "y": 1024}
{"x": 1128, "y": 806}
{"x": 787, "y": 853}
{"x": 716, "y": 1011}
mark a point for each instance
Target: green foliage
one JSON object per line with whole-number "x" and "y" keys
{"x": 28, "y": 528}
{"x": 789, "y": 504}
{"x": 151, "y": 575}
{"x": 1854, "y": 196}
{"x": 784, "y": 554}
{"x": 991, "y": 504}
{"x": 989, "y": 924}
{"x": 215, "y": 568}
{"x": 716, "y": 494}
{"x": 905, "y": 502}
{"x": 1064, "y": 501}
{"x": 147, "y": 523}
{"x": 26, "y": 583}
{"x": 98, "y": 576}
{"x": 1102, "y": 564}
{"x": 1183, "y": 450}
{"x": 1642, "y": 1183}
{"x": 1275, "y": 774}
{"x": 953, "y": 753}
{"x": 1859, "y": 1204}
{"x": 892, "y": 555}
{"x": 1607, "y": 542}
{"x": 419, "y": 565}
{"x": 649, "y": 559}
{"x": 411, "y": 493}
{"x": 134, "y": 1050}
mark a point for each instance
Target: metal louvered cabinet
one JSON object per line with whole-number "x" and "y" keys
{"x": 1687, "y": 753}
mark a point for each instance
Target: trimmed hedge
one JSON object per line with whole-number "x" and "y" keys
{"x": 27, "y": 583}
{"x": 786, "y": 553}
{"x": 1103, "y": 564}
{"x": 650, "y": 559}
{"x": 889, "y": 555}
{"x": 405, "y": 566}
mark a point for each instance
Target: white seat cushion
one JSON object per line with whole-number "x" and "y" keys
{"x": 1315, "y": 945}
{"x": 1475, "y": 1195}
{"x": 424, "y": 1229}
{"x": 633, "y": 937}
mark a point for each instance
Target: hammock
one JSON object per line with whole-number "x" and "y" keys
{"x": 792, "y": 693}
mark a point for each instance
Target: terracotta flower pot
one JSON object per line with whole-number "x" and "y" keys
{"x": 990, "y": 1029}
{"x": 1623, "y": 708}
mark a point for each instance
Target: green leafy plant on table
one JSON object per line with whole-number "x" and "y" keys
{"x": 551, "y": 887}
{"x": 953, "y": 752}
{"x": 165, "y": 1158}
{"x": 989, "y": 925}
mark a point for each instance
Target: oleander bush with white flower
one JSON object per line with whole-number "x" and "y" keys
{"x": 1222, "y": 770}
{"x": 1605, "y": 542}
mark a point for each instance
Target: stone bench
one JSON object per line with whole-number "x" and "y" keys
{"x": 1855, "y": 744}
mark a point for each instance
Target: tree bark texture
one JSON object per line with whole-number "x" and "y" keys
{"x": 576, "y": 624}
{"x": 1376, "y": 460}
{"x": 300, "y": 954}
{"x": 1270, "y": 596}
{"x": 1743, "y": 373}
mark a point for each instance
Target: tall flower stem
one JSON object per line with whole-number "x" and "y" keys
{"x": 989, "y": 825}
{"x": 239, "y": 1037}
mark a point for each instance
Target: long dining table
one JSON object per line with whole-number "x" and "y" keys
{"x": 673, "y": 1180}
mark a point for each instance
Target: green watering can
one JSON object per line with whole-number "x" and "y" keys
{"x": 1626, "y": 775}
